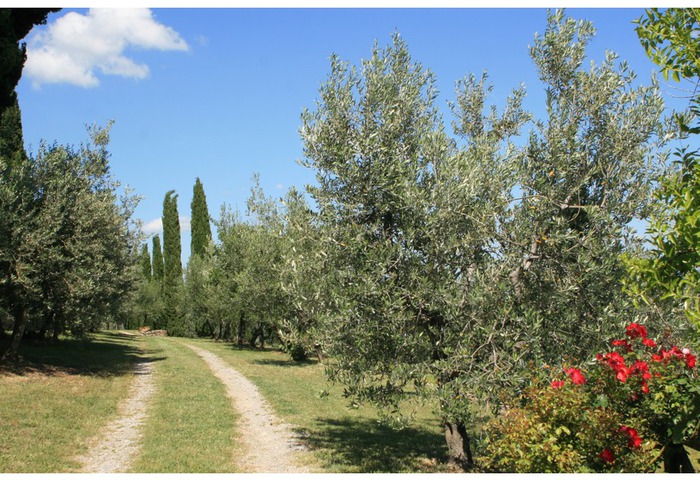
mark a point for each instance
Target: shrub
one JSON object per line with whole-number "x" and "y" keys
{"x": 630, "y": 406}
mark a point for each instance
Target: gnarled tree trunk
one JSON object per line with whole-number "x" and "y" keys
{"x": 459, "y": 452}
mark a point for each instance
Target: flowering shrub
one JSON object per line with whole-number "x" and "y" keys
{"x": 618, "y": 415}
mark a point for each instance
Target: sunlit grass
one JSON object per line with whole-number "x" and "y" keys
{"x": 190, "y": 426}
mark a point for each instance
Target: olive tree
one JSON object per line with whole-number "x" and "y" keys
{"x": 71, "y": 246}
{"x": 460, "y": 262}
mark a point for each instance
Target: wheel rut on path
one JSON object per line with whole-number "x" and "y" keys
{"x": 119, "y": 442}
{"x": 269, "y": 445}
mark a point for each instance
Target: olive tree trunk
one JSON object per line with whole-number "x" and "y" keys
{"x": 458, "y": 449}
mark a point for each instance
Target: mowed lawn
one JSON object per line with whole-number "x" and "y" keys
{"x": 339, "y": 439}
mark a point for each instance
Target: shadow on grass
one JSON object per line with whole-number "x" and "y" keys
{"x": 109, "y": 354}
{"x": 285, "y": 362}
{"x": 367, "y": 446}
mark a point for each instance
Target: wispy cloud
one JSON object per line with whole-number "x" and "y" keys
{"x": 156, "y": 225}
{"x": 74, "y": 47}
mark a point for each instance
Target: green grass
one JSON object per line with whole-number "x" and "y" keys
{"x": 340, "y": 439}
{"x": 58, "y": 396}
{"x": 191, "y": 423}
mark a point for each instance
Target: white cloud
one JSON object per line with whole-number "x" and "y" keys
{"x": 156, "y": 225}
{"x": 75, "y": 46}
{"x": 279, "y": 186}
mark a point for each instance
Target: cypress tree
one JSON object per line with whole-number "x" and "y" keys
{"x": 171, "y": 240}
{"x": 146, "y": 263}
{"x": 158, "y": 269}
{"x": 201, "y": 230}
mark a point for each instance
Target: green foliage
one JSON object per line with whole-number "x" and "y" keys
{"x": 303, "y": 277}
{"x": 69, "y": 253}
{"x": 670, "y": 40}
{"x": 145, "y": 260}
{"x": 172, "y": 268}
{"x": 668, "y": 271}
{"x": 172, "y": 250}
{"x": 158, "y": 267}
{"x": 201, "y": 230}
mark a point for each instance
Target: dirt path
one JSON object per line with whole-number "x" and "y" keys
{"x": 118, "y": 444}
{"x": 269, "y": 445}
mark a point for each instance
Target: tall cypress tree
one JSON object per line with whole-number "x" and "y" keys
{"x": 171, "y": 240}
{"x": 158, "y": 268}
{"x": 146, "y": 263}
{"x": 201, "y": 229}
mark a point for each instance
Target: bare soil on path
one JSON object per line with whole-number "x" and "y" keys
{"x": 118, "y": 444}
{"x": 269, "y": 446}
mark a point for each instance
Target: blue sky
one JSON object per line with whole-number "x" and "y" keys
{"x": 218, "y": 93}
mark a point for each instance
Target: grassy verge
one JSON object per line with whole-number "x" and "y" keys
{"x": 191, "y": 423}
{"x": 340, "y": 439}
{"x": 58, "y": 396}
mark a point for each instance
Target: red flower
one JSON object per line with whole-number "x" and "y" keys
{"x": 635, "y": 330}
{"x": 622, "y": 374}
{"x": 607, "y": 455}
{"x": 622, "y": 343}
{"x": 645, "y": 386}
{"x": 676, "y": 352}
{"x": 557, "y": 383}
{"x": 642, "y": 367}
{"x": 634, "y": 441}
{"x": 575, "y": 375}
{"x": 649, "y": 342}
{"x": 690, "y": 360}
{"x": 617, "y": 363}
{"x": 666, "y": 355}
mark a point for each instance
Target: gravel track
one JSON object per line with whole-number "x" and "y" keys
{"x": 118, "y": 444}
{"x": 269, "y": 445}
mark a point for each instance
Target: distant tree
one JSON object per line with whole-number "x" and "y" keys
{"x": 201, "y": 229}
{"x": 172, "y": 263}
{"x": 172, "y": 249}
{"x": 145, "y": 259}
{"x": 258, "y": 290}
{"x": 229, "y": 316}
{"x": 158, "y": 267}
